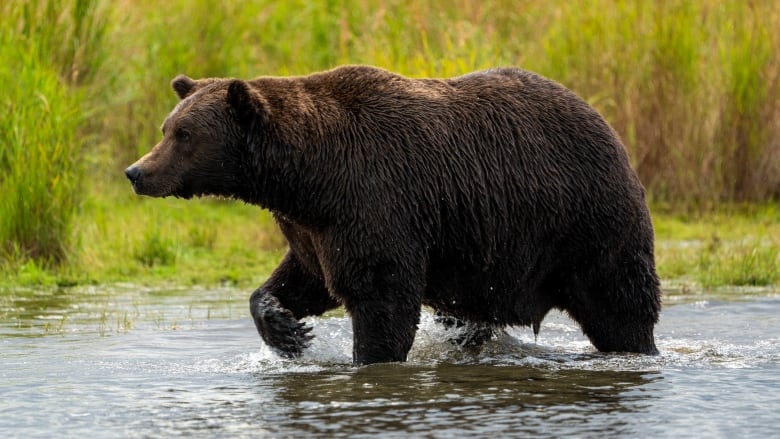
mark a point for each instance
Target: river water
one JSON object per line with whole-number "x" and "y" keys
{"x": 131, "y": 362}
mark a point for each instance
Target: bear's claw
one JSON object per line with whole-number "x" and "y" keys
{"x": 280, "y": 329}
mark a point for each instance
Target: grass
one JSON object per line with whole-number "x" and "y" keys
{"x": 174, "y": 241}
{"x": 48, "y": 48}
{"x": 40, "y": 173}
{"x": 171, "y": 242}
{"x": 692, "y": 87}
{"x": 740, "y": 247}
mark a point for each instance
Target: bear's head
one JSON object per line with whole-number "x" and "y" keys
{"x": 204, "y": 146}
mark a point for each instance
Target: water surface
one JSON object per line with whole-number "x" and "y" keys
{"x": 143, "y": 363}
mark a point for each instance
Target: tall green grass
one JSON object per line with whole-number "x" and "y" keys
{"x": 750, "y": 108}
{"x": 46, "y": 49}
{"x": 40, "y": 172}
{"x": 65, "y": 35}
{"x": 692, "y": 87}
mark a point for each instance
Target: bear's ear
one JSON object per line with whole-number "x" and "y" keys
{"x": 183, "y": 86}
{"x": 244, "y": 101}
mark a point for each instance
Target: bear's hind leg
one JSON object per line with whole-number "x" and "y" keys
{"x": 619, "y": 316}
{"x": 613, "y": 333}
{"x": 467, "y": 334}
{"x": 290, "y": 294}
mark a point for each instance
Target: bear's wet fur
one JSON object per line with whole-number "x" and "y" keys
{"x": 492, "y": 197}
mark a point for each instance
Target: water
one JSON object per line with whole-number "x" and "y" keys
{"x": 135, "y": 363}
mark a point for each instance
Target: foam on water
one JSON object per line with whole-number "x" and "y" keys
{"x": 560, "y": 345}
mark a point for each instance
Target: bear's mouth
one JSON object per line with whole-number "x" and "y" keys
{"x": 183, "y": 192}
{"x": 189, "y": 190}
{"x": 142, "y": 187}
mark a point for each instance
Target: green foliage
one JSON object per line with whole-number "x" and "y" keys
{"x": 64, "y": 35}
{"x": 169, "y": 241}
{"x": 692, "y": 87}
{"x": 750, "y": 109}
{"x": 156, "y": 249}
{"x": 30, "y": 273}
{"x": 44, "y": 47}
{"x": 39, "y": 172}
{"x": 723, "y": 248}
{"x": 749, "y": 264}
{"x": 203, "y": 236}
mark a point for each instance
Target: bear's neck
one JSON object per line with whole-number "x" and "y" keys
{"x": 296, "y": 205}
{"x": 284, "y": 186}
{"x": 291, "y": 169}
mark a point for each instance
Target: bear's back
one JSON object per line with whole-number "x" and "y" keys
{"x": 474, "y": 159}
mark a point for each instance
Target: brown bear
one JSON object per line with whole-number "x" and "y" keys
{"x": 492, "y": 198}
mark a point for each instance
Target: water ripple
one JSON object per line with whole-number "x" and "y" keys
{"x": 213, "y": 377}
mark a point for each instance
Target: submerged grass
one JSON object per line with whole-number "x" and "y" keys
{"x": 692, "y": 87}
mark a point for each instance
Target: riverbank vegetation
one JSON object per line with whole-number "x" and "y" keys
{"x": 692, "y": 87}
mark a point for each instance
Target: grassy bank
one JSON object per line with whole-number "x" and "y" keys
{"x": 692, "y": 87}
{"x": 209, "y": 242}
{"x": 124, "y": 239}
{"x": 740, "y": 247}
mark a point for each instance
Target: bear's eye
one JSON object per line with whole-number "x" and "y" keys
{"x": 182, "y": 135}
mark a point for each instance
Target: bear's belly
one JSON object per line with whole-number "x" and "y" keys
{"x": 491, "y": 297}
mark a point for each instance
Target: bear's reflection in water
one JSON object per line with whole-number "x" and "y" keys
{"x": 486, "y": 399}
{"x": 510, "y": 385}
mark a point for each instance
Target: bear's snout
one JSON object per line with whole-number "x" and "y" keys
{"x": 133, "y": 173}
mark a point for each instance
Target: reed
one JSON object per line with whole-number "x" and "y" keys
{"x": 747, "y": 145}
{"x": 746, "y": 263}
{"x": 39, "y": 162}
{"x": 693, "y": 88}
{"x": 48, "y": 49}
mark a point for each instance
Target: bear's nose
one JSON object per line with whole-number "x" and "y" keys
{"x": 133, "y": 173}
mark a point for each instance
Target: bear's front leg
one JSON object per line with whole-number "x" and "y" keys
{"x": 384, "y": 302}
{"x": 290, "y": 294}
{"x": 383, "y": 331}
{"x": 277, "y": 326}
{"x": 380, "y": 280}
